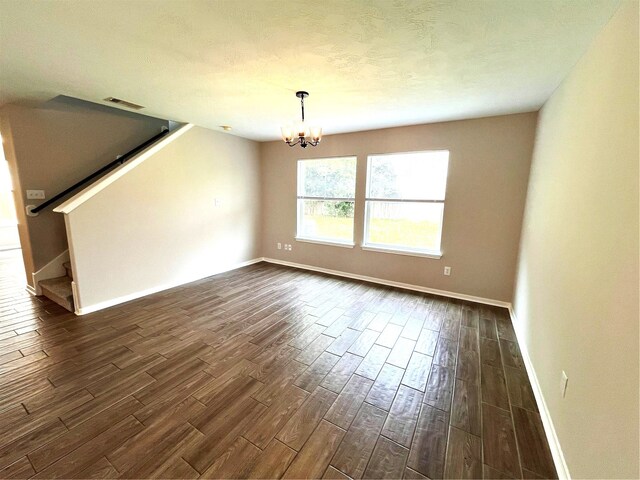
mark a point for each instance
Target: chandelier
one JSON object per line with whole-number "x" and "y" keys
{"x": 300, "y": 134}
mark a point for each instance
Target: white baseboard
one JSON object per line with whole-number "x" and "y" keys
{"x": 381, "y": 281}
{"x": 52, "y": 269}
{"x": 84, "y": 310}
{"x": 74, "y": 293}
{"x": 31, "y": 290}
{"x": 552, "y": 438}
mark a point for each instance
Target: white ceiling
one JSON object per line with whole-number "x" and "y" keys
{"x": 367, "y": 63}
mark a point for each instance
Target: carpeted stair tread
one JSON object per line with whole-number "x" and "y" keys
{"x": 58, "y": 290}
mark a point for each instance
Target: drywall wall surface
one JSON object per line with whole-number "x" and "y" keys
{"x": 576, "y": 299}
{"x": 55, "y": 145}
{"x": 190, "y": 210}
{"x": 486, "y": 188}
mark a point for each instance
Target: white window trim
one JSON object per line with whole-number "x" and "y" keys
{"x": 401, "y": 251}
{"x": 331, "y": 243}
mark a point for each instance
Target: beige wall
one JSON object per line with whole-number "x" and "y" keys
{"x": 159, "y": 225}
{"x": 488, "y": 172}
{"x": 55, "y": 145}
{"x": 576, "y": 299}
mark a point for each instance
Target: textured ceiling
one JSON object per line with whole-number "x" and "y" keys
{"x": 367, "y": 63}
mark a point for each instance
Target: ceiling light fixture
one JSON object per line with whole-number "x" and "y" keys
{"x": 299, "y": 134}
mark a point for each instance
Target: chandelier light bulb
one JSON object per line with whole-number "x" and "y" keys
{"x": 315, "y": 133}
{"x": 287, "y": 133}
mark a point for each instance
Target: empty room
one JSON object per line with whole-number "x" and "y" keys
{"x": 345, "y": 239}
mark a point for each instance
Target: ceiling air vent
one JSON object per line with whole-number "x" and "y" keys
{"x": 123, "y": 103}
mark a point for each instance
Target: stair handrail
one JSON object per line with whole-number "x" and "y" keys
{"x": 120, "y": 159}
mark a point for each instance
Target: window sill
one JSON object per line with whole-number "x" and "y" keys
{"x": 331, "y": 243}
{"x": 397, "y": 251}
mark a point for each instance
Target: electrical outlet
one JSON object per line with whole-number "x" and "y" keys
{"x": 35, "y": 194}
{"x": 279, "y": 246}
{"x": 447, "y": 271}
{"x": 564, "y": 380}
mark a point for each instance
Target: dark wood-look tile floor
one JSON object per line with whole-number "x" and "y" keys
{"x": 264, "y": 372}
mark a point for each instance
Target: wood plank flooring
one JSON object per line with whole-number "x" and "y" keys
{"x": 264, "y": 372}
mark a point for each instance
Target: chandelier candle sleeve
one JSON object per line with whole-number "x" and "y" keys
{"x": 300, "y": 134}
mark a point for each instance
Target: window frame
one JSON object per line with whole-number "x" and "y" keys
{"x": 398, "y": 249}
{"x": 300, "y": 213}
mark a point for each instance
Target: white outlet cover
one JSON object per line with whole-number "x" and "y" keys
{"x": 35, "y": 194}
{"x": 447, "y": 271}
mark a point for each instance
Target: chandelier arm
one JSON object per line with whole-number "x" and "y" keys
{"x": 301, "y": 139}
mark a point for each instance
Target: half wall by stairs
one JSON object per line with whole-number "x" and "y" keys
{"x": 49, "y": 281}
{"x": 186, "y": 208}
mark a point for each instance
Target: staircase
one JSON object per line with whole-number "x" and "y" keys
{"x": 59, "y": 289}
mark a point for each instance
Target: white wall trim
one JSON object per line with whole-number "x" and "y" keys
{"x": 84, "y": 195}
{"x": 84, "y": 310}
{"x": 400, "y": 251}
{"x": 53, "y": 269}
{"x": 326, "y": 242}
{"x": 380, "y": 281}
{"x": 74, "y": 293}
{"x": 30, "y": 289}
{"x": 552, "y": 438}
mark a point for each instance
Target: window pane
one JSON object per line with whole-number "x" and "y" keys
{"x": 327, "y": 177}
{"x": 411, "y": 226}
{"x": 411, "y": 176}
{"x": 325, "y": 219}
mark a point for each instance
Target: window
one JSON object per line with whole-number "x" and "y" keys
{"x": 326, "y": 199}
{"x": 405, "y": 202}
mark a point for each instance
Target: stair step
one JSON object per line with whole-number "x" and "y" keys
{"x": 58, "y": 290}
{"x": 67, "y": 267}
